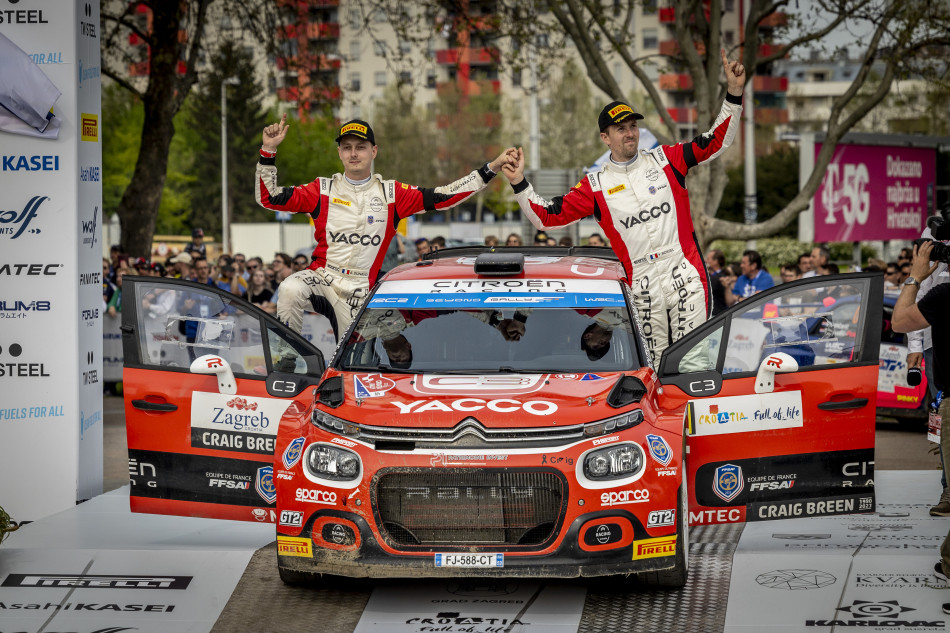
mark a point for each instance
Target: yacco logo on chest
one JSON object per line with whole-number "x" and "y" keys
{"x": 645, "y": 215}
{"x": 355, "y": 238}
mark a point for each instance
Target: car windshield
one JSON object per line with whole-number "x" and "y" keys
{"x": 523, "y": 325}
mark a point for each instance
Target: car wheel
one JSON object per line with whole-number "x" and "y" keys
{"x": 675, "y": 576}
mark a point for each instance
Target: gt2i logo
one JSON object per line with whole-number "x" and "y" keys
{"x": 291, "y": 518}
{"x": 502, "y": 405}
{"x": 660, "y": 518}
{"x": 624, "y": 497}
{"x": 646, "y": 215}
{"x": 324, "y": 497}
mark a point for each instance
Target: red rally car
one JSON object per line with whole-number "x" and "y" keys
{"x": 496, "y": 413}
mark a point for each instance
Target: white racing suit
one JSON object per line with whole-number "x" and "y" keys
{"x": 643, "y": 209}
{"x": 353, "y": 226}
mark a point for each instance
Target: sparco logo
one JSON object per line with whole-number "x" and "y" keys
{"x": 623, "y": 497}
{"x": 316, "y": 496}
{"x": 646, "y": 214}
{"x": 29, "y": 270}
{"x": 356, "y": 238}
{"x": 57, "y": 581}
{"x": 19, "y": 221}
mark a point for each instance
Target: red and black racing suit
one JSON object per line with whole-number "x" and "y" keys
{"x": 353, "y": 225}
{"x": 643, "y": 209}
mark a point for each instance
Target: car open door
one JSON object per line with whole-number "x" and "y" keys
{"x": 204, "y": 398}
{"x": 780, "y": 396}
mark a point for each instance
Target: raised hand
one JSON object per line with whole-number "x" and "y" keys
{"x": 514, "y": 168}
{"x": 735, "y": 75}
{"x": 274, "y": 134}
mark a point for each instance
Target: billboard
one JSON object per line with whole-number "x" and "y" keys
{"x": 874, "y": 192}
{"x": 50, "y": 256}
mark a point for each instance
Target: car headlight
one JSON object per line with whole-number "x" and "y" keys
{"x": 613, "y": 462}
{"x": 334, "y": 424}
{"x": 625, "y": 421}
{"x": 331, "y": 462}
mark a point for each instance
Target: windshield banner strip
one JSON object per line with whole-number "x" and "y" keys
{"x": 405, "y": 287}
{"x": 497, "y": 300}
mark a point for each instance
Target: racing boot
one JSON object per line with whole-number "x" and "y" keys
{"x": 942, "y": 509}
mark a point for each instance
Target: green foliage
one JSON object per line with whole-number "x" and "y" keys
{"x": 308, "y": 152}
{"x": 776, "y": 184}
{"x": 406, "y": 137}
{"x": 199, "y": 125}
{"x": 569, "y": 138}
{"x": 6, "y": 525}
{"x": 122, "y": 116}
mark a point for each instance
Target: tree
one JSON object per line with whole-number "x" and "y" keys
{"x": 906, "y": 38}
{"x": 245, "y": 120}
{"x": 406, "y": 137}
{"x": 777, "y": 177}
{"x": 174, "y": 36}
{"x": 564, "y": 143}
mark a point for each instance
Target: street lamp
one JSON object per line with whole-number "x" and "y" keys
{"x": 225, "y": 223}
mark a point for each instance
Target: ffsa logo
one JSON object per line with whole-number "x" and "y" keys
{"x": 15, "y": 223}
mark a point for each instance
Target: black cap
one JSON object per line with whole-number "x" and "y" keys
{"x": 198, "y": 233}
{"x": 615, "y": 112}
{"x": 357, "y": 128}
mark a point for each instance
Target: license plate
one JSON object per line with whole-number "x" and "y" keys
{"x": 469, "y": 560}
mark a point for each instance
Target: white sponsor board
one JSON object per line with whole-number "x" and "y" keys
{"x": 747, "y": 414}
{"x": 50, "y": 255}
{"x": 869, "y": 571}
{"x": 474, "y": 606}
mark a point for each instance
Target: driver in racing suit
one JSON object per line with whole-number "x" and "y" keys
{"x": 639, "y": 198}
{"x": 355, "y": 215}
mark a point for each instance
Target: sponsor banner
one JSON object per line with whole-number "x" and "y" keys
{"x": 495, "y": 300}
{"x": 50, "y": 234}
{"x": 244, "y": 424}
{"x": 491, "y": 293}
{"x": 892, "y": 388}
{"x": 780, "y": 478}
{"x": 747, "y": 414}
{"x": 201, "y": 478}
{"x": 468, "y": 605}
{"x": 874, "y": 192}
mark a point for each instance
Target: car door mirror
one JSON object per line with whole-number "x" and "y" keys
{"x": 777, "y": 363}
{"x": 214, "y": 364}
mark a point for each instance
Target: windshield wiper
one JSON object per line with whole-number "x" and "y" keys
{"x": 380, "y": 367}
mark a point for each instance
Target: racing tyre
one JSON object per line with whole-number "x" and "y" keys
{"x": 674, "y": 577}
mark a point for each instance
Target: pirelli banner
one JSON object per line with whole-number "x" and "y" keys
{"x": 50, "y": 256}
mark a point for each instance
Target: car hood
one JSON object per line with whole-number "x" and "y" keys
{"x": 495, "y": 400}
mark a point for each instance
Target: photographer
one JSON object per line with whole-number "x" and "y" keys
{"x": 920, "y": 343}
{"x": 910, "y": 315}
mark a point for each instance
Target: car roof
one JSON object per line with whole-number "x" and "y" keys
{"x": 549, "y": 262}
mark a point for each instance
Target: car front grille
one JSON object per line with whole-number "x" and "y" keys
{"x": 469, "y": 507}
{"x": 470, "y": 433}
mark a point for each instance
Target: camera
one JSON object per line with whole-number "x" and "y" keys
{"x": 940, "y": 232}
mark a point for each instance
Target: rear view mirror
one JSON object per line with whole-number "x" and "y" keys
{"x": 777, "y": 363}
{"x": 214, "y": 364}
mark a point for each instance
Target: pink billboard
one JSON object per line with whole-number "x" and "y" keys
{"x": 874, "y": 192}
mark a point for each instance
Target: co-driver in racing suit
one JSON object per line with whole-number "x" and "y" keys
{"x": 355, "y": 215}
{"x": 639, "y": 198}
